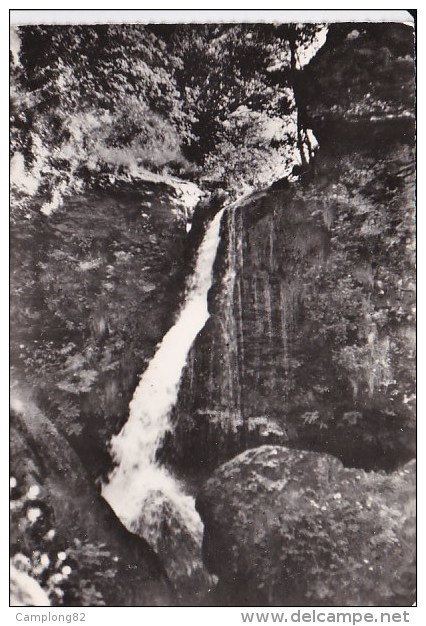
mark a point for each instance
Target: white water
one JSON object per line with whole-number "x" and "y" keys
{"x": 144, "y": 495}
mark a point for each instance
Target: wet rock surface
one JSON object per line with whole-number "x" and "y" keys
{"x": 295, "y": 528}
{"x": 312, "y": 316}
{"x": 313, "y": 307}
{"x": 94, "y": 287}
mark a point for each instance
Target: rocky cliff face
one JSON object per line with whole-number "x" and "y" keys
{"x": 65, "y": 534}
{"x": 311, "y": 338}
{"x": 94, "y": 288}
{"x": 294, "y": 528}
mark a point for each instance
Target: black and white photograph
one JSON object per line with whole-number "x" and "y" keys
{"x": 213, "y": 310}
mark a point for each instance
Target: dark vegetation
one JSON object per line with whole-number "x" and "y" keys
{"x": 94, "y": 100}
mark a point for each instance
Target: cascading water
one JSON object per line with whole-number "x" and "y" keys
{"x": 231, "y": 391}
{"x": 147, "y": 498}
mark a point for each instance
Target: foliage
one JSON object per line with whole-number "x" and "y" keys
{"x": 241, "y": 97}
{"x": 40, "y": 551}
{"x": 95, "y": 97}
{"x": 102, "y": 98}
{"x": 376, "y": 65}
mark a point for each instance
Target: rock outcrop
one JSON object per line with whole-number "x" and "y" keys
{"x": 65, "y": 533}
{"x": 295, "y": 528}
{"x": 312, "y": 313}
{"x": 94, "y": 288}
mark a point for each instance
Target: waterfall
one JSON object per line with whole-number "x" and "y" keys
{"x": 146, "y": 496}
{"x": 284, "y": 337}
{"x": 230, "y": 381}
{"x": 271, "y": 243}
{"x": 287, "y": 308}
{"x": 268, "y": 306}
{"x": 240, "y": 283}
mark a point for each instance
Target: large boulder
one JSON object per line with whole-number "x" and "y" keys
{"x": 64, "y": 535}
{"x": 291, "y": 527}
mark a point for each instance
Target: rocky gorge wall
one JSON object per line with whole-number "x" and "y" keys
{"x": 311, "y": 345}
{"x": 94, "y": 288}
{"x": 311, "y": 335}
